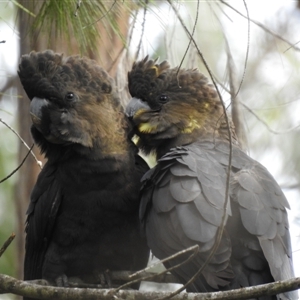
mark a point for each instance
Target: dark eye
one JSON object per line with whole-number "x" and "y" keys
{"x": 69, "y": 96}
{"x": 163, "y": 98}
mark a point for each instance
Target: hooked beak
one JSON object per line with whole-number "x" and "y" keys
{"x": 134, "y": 105}
{"x": 36, "y": 106}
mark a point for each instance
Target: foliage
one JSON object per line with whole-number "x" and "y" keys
{"x": 77, "y": 19}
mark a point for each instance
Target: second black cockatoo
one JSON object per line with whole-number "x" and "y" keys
{"x": 178, "y": 115}
{"x": 83, "y": 214}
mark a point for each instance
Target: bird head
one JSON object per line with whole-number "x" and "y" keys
{"x": 73, "y": 101}
{"x": 171, "y": 106}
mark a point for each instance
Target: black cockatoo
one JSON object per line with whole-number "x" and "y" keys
{"x": 178, "y": 116}
{"x": 83, "y": 215}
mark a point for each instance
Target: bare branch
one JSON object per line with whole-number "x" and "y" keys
{"x": 116, "y": 59}
{"x": 266, "y": 124}
{"x": 192, "y": 34}
{"x": 9, "y": 84}
{"x": 234, "y": 90}
{"x": 154, "y": 275}
{"x": 290, "y": 186}
{"x": 126, "y": 276}
{"x": 236, "y": 98}
{"x": 6, "y": 244}
{"x": 132, "y": 27}
{"x": 39, "y": 163}
{"x": 263, "y": 27}
{"x": 196, "y": 247}
{"x": 143, "y": 31}
{"x": 224, "y": 217}
{"x": 247, "y": 52}
{"x": 103, "y": 16}
{"x": 9, "y": 284}
{"x": 20, "y": 165}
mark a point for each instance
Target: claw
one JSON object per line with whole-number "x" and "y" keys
{"x": 104, "y": 278}
{"x": 62, "y": 281}
{"x": 108, "y": 278}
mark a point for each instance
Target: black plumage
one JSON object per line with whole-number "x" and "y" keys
{"x": 83, "y": 215}
{"x": 178, "y": 116}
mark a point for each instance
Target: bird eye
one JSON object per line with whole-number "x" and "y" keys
{"x": 163, "y": 98}
{"x": 69, "y": 96}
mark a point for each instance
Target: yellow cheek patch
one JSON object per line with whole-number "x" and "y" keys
{"x": 139, "y": 112}
{"x": 191, "y": 126}
{"x": 147, "y": 128}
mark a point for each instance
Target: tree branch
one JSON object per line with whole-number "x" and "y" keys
{"x": 7, "y": 243}
{"x": 235, "y": 87}
{"x": 266, "y": 124}
{"x": 263, "y": 27}
{"x": 9, "y": 284}
{"x": 11, "y": 81}
{"x": 18, "y": 167}
{"x": 39, "y": 163}
{"x": 135, "y": 277}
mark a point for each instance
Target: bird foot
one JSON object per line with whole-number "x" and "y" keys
{"x": 62, "y": 281}
{"x": 104, "y": 278}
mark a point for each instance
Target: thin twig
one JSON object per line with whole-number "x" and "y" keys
{"x": 195, "y": 247}
{"x": 15, "y": 170}
{"x": 234, "y": 91}
{"x": 290, "y": 187}
{"x": 40, "y": 164}
{"x": 278, "y": 105}
{"x": 143, "y": 30}
{"x": 262, "y": 26}
{"x": 247, "y": 52}
{"x": 168, "y": 44}
{"x": 266, "y": 124}
{"x": 224, "y": 217}
{"x": 10, "y": 82}
{"x": 104, "y": 15}
{"x": 115, "y": 59}
{"x": 7, "y": 243}
{"x": 77, "y": 8}
{"x": 291, "y": 47}
{"x": 190, "y": 42}
{"x": 260, "y": 119}
{"x": 148, "y": 277}
{"x": 132, "y": 27}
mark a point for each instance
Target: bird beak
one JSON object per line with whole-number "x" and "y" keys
{"x": 135, "y": 105}
{"x": 36, "y": 106}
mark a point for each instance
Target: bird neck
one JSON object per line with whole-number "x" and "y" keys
{"x": 211, "y": 129}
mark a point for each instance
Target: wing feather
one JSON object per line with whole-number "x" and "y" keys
{"x": 188, "y": 206}
{"x": 42, "y": 212}
{"x": 263, "y": 206}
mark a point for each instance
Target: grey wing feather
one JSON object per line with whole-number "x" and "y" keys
{"x": 188, "y": 206}
{"x": 183, "y": 204}
{"x": 263, "y": 213}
